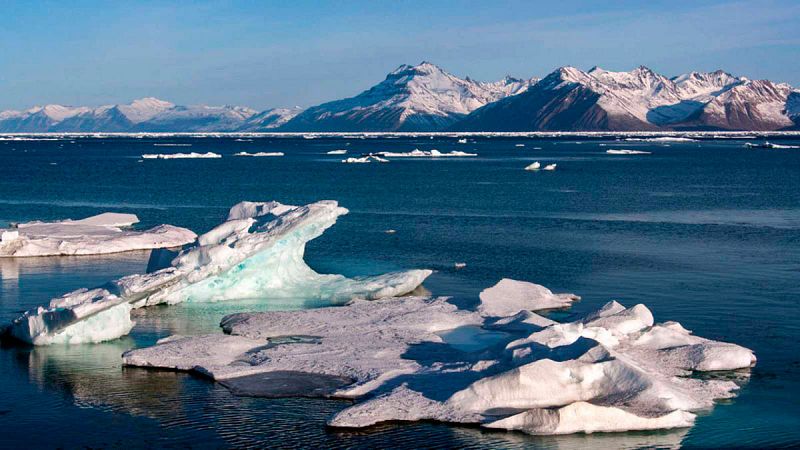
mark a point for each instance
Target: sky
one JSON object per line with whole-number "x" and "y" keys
{"x": 266, "y": 54}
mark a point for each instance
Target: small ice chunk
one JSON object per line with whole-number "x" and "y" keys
{"x": 550, "y": 167}
{"x": 509, "y": 297}
{"x": 535, "y": 166}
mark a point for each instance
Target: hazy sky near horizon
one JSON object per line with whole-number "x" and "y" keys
{"x": 272, "y": 54}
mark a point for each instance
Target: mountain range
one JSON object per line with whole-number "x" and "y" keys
{"x": 427, "y": 98}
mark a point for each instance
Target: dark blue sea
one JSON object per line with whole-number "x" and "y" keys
{"x": 706, "y": 233}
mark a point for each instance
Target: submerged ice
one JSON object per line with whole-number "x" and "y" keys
{"x": 612, "y": 370}
{"x": 256, "y": 253}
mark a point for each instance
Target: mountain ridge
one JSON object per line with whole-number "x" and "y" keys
{"x": 425, "y": 97}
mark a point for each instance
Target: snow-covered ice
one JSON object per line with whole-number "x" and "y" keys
{"x": 256, "y": 253}
{"x": 337, "y": 152}
{"x": 100, "y": 234}
{"x": 612, "y": 370}
{"x": 550, "y": 167}
{"x": 192, "y": 155}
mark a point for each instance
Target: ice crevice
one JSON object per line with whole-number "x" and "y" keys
{"x": 256, "y": 253}
{"x": 612, "y": 370}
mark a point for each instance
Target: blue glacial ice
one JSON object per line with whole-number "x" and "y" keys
{"x": 257, "y": 252}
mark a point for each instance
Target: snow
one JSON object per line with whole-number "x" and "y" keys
{"x": 509, "y": 297}
{"x": 192, "y": 155}
{"x": 257, "y": 154}
{"x": 144, "y": 109}
{"x": 612, "y": 370}
{"x": 256, "y": 253}
{"x": 627, "y": 152}
{"x": 411, "y": 97}
{"x": 94, "y": 235}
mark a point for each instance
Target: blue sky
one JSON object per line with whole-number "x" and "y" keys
{"x": 284, "y": 53}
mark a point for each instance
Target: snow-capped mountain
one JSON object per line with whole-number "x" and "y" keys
{"x": 426, "y": 98}
{"x": 411, "y": 98}
{"x": 146, "y": 114}
{"x": 270, "y": 119}
{"x": 570, "y": 99}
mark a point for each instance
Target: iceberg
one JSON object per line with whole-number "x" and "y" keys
{"x": 192, "y": 155}
{"x": 611, "y": 370}
{"x": 256, "y": 253}
{"x": 100, "y": 234}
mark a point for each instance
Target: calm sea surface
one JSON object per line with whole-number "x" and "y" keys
{"x": 706, "y": 233}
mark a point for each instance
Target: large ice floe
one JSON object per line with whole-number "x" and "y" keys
{"x": 401, "y": 359}
{"x": 100, "y": 234}
{"x": 256, "y": 253}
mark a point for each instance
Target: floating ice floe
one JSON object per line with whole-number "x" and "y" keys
{"x": 460, "y": 265}
{"x": 100, "y": 234}
{"x": 191, "y": 155}
{"x": 417, "y": 153}
{"x": 462, "y": 141}
{"x": 172, "y": 145}
{"x": 520, "y": 145}
{"x": 627, "y": 152}
{"x": 365, "y": 159}
{"x": 612, "y": 370}
{"x": 768, "y": 144}
{"x": 257, "y": 154}
{"x": 337, "y": 152}
{"x": 256, "y": 253}
{"x": 508, "y": 297}
{"x": 550, "y": 167}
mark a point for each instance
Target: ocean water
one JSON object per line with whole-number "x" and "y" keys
{"x": 706, "y": 233}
